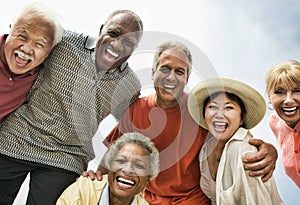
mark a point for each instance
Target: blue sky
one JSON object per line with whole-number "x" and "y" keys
{"x": 239, "y": 39}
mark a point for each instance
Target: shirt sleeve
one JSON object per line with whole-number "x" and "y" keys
{"x": 123, "y": 126}
{"x": 238, "y": 185}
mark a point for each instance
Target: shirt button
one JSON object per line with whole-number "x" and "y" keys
{"x": 10, "y": 79}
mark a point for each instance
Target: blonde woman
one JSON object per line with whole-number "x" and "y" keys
{"x": 283, "y": 90}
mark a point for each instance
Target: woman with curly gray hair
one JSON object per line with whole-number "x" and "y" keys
{"x": 131, "y": 162}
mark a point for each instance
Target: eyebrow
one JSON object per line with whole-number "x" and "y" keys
{"x": 135, "y": 159}
{"x": 25, "y": 31}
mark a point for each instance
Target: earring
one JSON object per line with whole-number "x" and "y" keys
{"x": 270, "y": 106}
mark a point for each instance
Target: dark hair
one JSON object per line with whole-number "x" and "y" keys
{"x": 232, "y": 97}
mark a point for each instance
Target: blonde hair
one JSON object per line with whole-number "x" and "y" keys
{"x": 47, "y": 15}
{"x": 287, "y": 73}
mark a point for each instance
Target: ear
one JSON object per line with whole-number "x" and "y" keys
{"x": 269, "y": 97}
{"x": 187, "y": 80}
{"x": 243, "y": 120}
{"x": 152, "y": 76}
{"x": 101, "y": 28}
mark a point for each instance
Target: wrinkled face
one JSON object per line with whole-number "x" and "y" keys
{"x": 28, "y": 44}
{"x": 117, "y": 40}
{"x": 170, "y": 77}
{"x": 129, "y": 171}
{"x": 286, "y": 102}
{"x": 222, "y": 117}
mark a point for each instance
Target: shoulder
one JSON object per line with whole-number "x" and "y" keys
{"x": 129, "y": 76}
{"x": 239, "y": 145}
{"x": 273, "y": 120}
{"x": 74, "y": 40}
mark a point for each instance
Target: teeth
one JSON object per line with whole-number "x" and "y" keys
{"x": 220, "y": 123}
{"x": 125, "y": 181}
{"x": 289, "y": 109}
{"x": 169, "y": 86}
{"x": 23, "y": 55}
{"x": 112, "y": 53}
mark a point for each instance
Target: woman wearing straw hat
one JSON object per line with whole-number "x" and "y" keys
{"x": 228, "y": 108}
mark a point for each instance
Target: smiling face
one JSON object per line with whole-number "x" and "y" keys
{"x": 286, "y": 102}
{"x": 129, "y": 171}
{"x": 222, "y": 116}
{"x": 117, "y": 40}
{"x": 170, "y": 77}
{"x": 28, "y": 44}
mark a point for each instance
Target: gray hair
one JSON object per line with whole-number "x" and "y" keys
{"x": 47, "y": 15}
{"x": 172, "y": 45}
{"x": 139, "y": 139}
{"x": 130, "y": 14}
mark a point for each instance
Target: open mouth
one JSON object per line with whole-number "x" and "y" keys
{"x": 112, "y": 53}
{"x": 125, "y": 182}
{"x": 22, "y": 59}
{"x": 220, "y": 126}
{"x": 169, "y": 87}
{"x": 289, "y": 110}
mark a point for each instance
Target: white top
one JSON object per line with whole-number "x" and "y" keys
{"x": 233, "y": 184}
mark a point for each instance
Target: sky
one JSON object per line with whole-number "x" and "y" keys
{"x": 234, "y": 38}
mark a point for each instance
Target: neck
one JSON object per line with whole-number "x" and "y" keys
{"x": 167, "y": 104}
{"x": 292, "y": 125}
{"x": 119, "y": 200}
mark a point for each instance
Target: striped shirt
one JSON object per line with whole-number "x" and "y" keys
{"x": 65, "y": 106}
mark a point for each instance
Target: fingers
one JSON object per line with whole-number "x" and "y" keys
{"x": 263, "y": 162}
{"x": 267, "y": 176}
{"x": 264, "y": 171}
{"x": 256, "y": 142}
{"x": 99, "y": 175}
{"x": 93, "y": 175}
{"x": 85, "y": 173}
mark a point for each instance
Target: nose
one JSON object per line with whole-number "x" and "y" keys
{"x": 27, "y": 48}
{"x": 128, "y": 169}
{"x": 171, "y": 76}
{"x": 220, "y": 113}
{"x": 117, "y": 44}
{"x": 289, "y": 98}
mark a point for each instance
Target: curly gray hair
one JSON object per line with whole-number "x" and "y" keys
{"x": 139, "y": 139}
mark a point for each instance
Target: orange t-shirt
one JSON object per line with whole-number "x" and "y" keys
{"x": 178, "y": 139}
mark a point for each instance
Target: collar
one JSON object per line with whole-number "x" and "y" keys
{"x": 90, "y": 43}
{"x": 105, "y": 197}
{"x": 240, "y": 134}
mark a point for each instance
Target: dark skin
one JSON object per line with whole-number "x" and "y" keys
{"x": 263, "y": 162}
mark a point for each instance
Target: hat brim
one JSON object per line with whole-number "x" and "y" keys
{"x": 255, "y": 104}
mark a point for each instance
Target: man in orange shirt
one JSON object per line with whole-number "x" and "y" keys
{"x": 164, "y": 118}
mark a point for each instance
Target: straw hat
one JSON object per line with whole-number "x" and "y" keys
{"x": 254, "y": 103}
